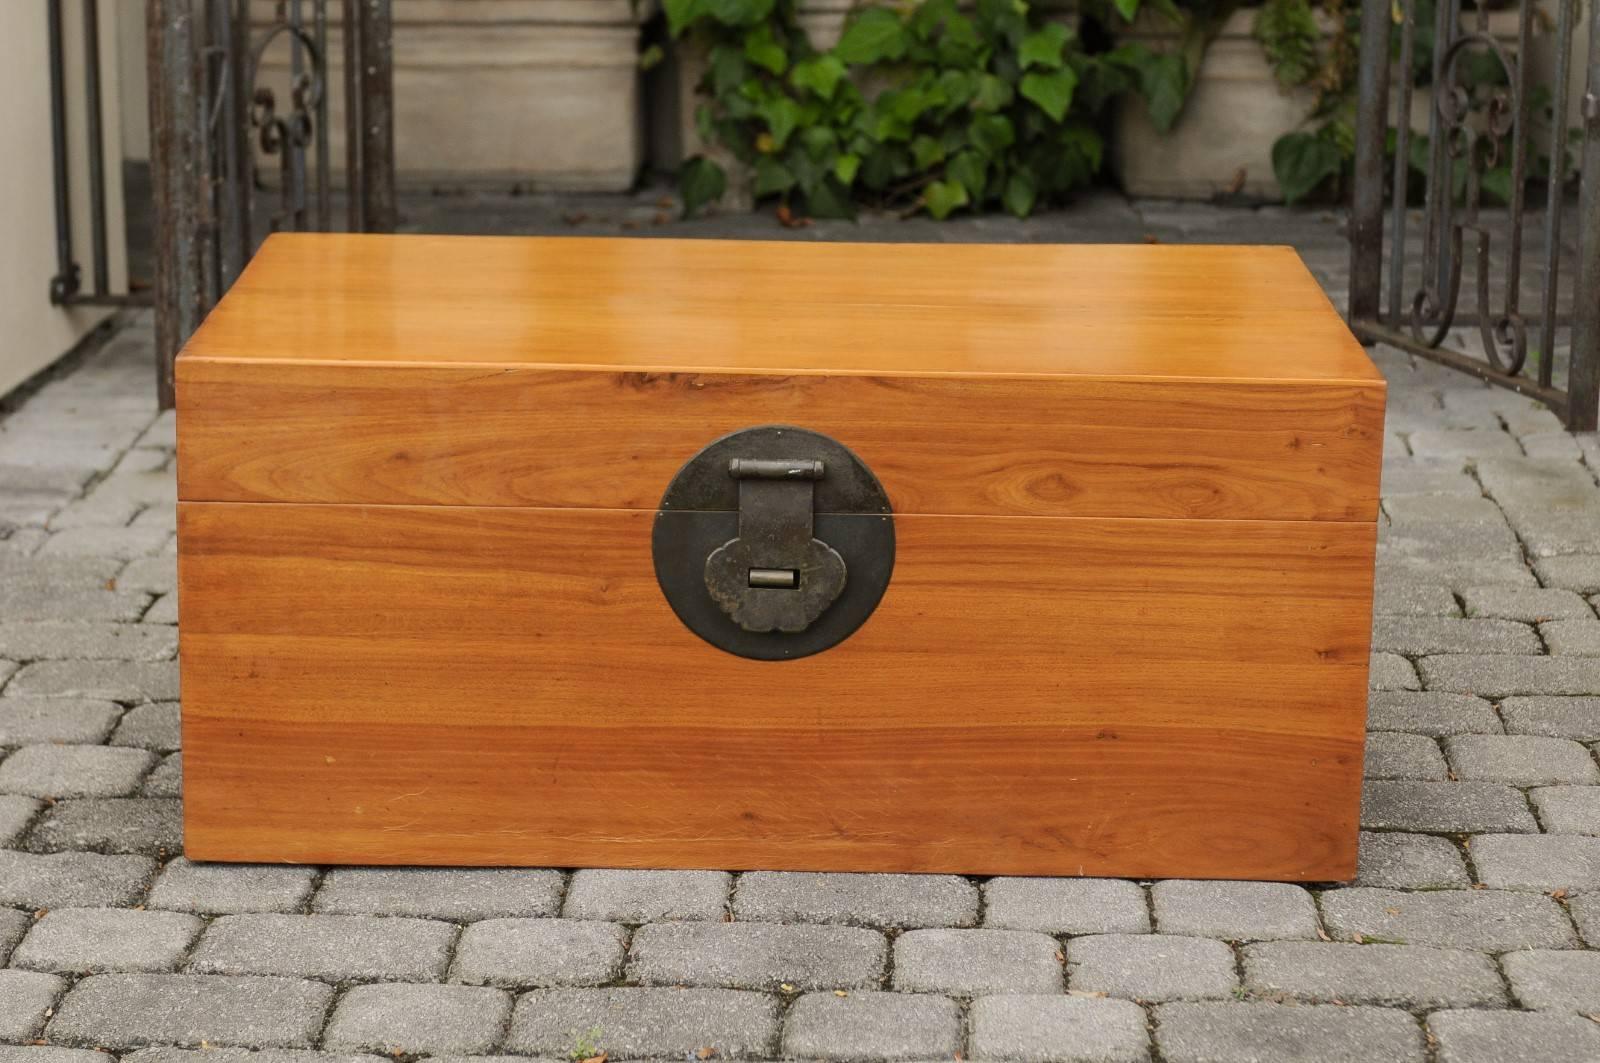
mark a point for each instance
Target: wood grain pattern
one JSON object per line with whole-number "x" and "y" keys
{"x": 391, "y": 684}
{"x": 1133, "y": 312}
{"x": 519, "y": 436}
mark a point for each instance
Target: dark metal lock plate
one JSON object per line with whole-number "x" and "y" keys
{"x": 774, "y": 543}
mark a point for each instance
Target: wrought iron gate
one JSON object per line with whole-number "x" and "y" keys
{"x": 231, "y": 161}
{"x": 1498, "y": 134}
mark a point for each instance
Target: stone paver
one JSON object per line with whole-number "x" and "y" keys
{"x": 1409, "y": 861}
{"x": 418, "y": 1019}
{"x": 1267, "y": 1033}
{"x": 644, "y": 1023}
{"x": 1066, "y": 905}
{"x": 1408, "y": 976}
{"x": 1496, "y": 1037}
{"x": 130, "y": 1010}
{"x": 757, "y": 956}
{"x": 868, "y": 1026}
{"x": 1151, "y": 967}
{"x": 1047, "y": 1029}
{"x": 1486, "y": 920}
{"x": 867, "y": 900}
{"x": 84, "y": 940}
{"x": 1485, "y": 733}
{"x": 231, "y": 889}
{"x": 1235, "y": 911}
{"x": 439, "y": 893}
{"x": 528, "y": 953}
{"x": 977, "y": 962}
{"x": 335, "y": 947}
{"x": 647, "y": 896}
{"x": 1555, "y": 980}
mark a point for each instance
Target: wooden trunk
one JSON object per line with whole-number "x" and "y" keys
{"x": 1134, "y": 495}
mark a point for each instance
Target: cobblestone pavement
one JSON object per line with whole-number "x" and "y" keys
{"x": 1472, "y": 934}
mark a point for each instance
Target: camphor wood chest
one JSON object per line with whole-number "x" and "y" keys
{"x": 1125, "y": 584}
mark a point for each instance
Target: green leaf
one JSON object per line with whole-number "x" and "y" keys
{"x": 969, "y": 170}
{"x": 926, "y": 152}
{"x": 727, "y": 69}
{"x": 1497, "y": 182}
{"x": 819, "y": 75}
{"x": 772, "y": 177}
{"x": 845, "y": 169}
{"x": 781, "y": 115}
{"x": 763, "y": 49}
{"x": 925, "y": 20}
{"x": 942, "y": 197}
{"x": 1043, "y": 46}
{"x": 1163, "y": 82}
{"x": 992, "y": 133}
{"x": 992, "y": 94}
{"x": 700, "y": 181}
{"x": 960, "y": 43}
{"x": 739, "y": 12}
{"x": 872, "y": 36}
{"x": 1289, "y": 36}
{"x": 651, "y": 57}
{"x": 819, "y": 141}
{"x": 1086, "y": 141}
{"x": 1052, "y": 91}
{"x": 957, "y": 87}
{"x": 680, "y": 13}
{"x": 1128, "y": 9}
{"x": 827, "y": 200}
{"x": 1020, "y": 193}
{"x": 1301, "y": 162}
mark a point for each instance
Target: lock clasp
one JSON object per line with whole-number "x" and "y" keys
{"x": 775, "y": 576}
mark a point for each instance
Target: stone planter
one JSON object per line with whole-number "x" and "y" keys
{"x": 1222, "y": 143}
{"x": 528, "y": 93}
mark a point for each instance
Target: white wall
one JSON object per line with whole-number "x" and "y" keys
{"x": 32, "y": 332}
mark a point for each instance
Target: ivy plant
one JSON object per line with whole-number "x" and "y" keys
{"x": 933, "y": 106}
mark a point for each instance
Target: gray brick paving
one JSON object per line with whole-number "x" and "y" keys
{"x": 132, "y": 1010}
{"x": 74, "y": 771}
{"x": 335, "y": 947}
{"x": 645, "y": 1023}
{"x": 868, "y": 1026}
{"x": 1046, "y": 1029}
{"x": 975, "y": 963}
{"x": 1568, "y": 809}
{"x": 1528, "y": 604}
{"x": 441, "y": 893}
{"x": 1409, "y": 861}
{"x": 865, "y": 900}
{"x": 1552, "y": 980}
{"x": 1235, "y": 911}
{"x": 1430, "y": 713}
{"x": 1540, "y": 862}
{"x": 48, "y": 1054}
{"x": 110, "y": 825}
{"x": 26, "y": 998}
{"x": 757, "y": 956}
{"x": 1522, "y": 760}
{"x": 1576, "y": 717}
{"x": 230, "y": 889}
{"x": 1270, "y": 1033}
{"x": 1066, "y": 905}
{"x": 1445, "y": 807}
{"x": 94, "y": 940}
{"x": 1395, "y": 755}
{"x": 418, "y": 1019}
{"x": 65, "y": 880}
{"x": 154, "y": 726}
{"x": 1503, "y": 648}
{"x": 1151, "y": 967}
{"x": 623, "y": 896}
{"x": 1485, "y": 920}
{"x": 527, "y": 953}
{"x": 1496, "y": 1037}
{"x": 25, "y": 721}
{"x": 1408, "y": 976}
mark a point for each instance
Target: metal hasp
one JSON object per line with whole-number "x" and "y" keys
{"x": 775, "y": 576}
{"x": 774, "y": 543}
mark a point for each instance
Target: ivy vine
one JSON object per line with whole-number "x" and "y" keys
{"x": 996, "y": 103}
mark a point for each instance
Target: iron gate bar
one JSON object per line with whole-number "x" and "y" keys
{"x": 1459, "y": 135}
